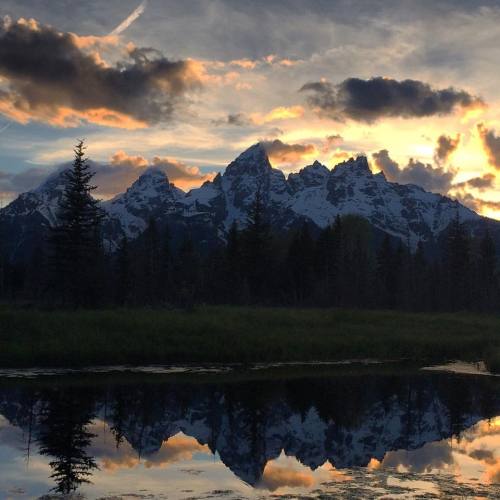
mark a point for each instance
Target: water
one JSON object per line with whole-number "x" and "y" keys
{"x": 347, "y": 431}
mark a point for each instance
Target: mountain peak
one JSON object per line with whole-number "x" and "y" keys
{"x": 358, "y": 165}
{"x": 152, "y": 178}
{"x": 253, "y": 161}
{"x": 312, "y": 175}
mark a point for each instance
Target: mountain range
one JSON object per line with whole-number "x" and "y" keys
{"x": 315, "y": 195}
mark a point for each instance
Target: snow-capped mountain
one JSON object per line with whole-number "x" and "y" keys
{"x": 151, "y": 195}
{"x": 315, "y": 194}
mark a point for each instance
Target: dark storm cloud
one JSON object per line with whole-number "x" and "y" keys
{"x": 369, "y": 100}
{"x": 282, "y": 152}
{"x": 491, "y": 144}
{"x": 431, "y": 178}
{"x": 52, "y": 77}
{"x": 445, "y": 147}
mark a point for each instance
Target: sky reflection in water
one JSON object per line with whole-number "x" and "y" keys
{"x": 353, "y": 434}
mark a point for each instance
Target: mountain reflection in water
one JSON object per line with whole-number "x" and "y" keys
{"x": 273, "y": 433}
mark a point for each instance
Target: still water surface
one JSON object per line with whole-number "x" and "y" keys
{"x": 339, "y": 432}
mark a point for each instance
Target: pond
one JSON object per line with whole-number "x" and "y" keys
{"x": 346, "y": 431}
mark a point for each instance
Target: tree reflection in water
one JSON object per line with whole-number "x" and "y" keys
{"x": 348, "y": 419}
{"x": 63, "y": 420}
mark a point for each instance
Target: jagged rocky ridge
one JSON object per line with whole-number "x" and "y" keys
{"x": 315, "y": 194}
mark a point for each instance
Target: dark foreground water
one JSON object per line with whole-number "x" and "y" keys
{"x": 344, "y": 432}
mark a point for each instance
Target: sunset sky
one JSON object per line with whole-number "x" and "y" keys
{"x": 188, "y": 85}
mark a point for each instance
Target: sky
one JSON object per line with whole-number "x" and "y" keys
{"x": 187, "y": 86}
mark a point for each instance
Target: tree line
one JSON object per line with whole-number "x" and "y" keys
{"x": 344, "y": 265}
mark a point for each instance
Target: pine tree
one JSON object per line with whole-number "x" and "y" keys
{"x": 487, "y": 272}
{"x": 300, "y": 264}
{"x": 257, "y": 243}
{"x": 233, "y": 263}
{"x": 187, "y": 274}
{"x": 151, "y": 259}
{"x": 123, "y": 273}
{"x": 76, "y": 238}
{"x": 419, "y": 285}
{"x": 384, "y": 274}
{"x": 457, "y": 265}
{"x": 166, "y": 267}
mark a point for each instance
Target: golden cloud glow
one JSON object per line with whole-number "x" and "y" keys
{"x": 279, "y": 113}
{"x": 176, "y": 449}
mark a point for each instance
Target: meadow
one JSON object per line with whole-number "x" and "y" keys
{"x": 241, "y": 335}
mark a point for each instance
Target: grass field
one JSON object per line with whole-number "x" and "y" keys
{"x": 241, "y": 335}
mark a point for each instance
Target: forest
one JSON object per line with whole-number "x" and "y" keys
{"x": 349, "y": 264}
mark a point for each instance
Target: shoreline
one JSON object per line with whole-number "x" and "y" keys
{"x": 242, "y": 335}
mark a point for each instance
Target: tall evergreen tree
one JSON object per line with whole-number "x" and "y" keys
{"x": 487, "y": 264}
{"x": 123, "y": 292}
{"x": 151, "y": 262}
{"x": 300, "y": 265}
{"x": 257, "y": 248}
{"x": 233, "y": 281}
{"x": 76, "y": 238}
{"x": 458, "y": 266}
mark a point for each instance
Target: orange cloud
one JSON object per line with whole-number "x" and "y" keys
{"x": 281, "y": 152}
{"x": 123, "y": 170}
{"x": 92, "y": 41}
{"x": 275, "y": 477}
{"x": 178, "y": 448}
{"x": 244, "y": 63}
{"x": 340, "y": 155}
{"x": 184, "y": 176}
{"x": 122, "y": 158}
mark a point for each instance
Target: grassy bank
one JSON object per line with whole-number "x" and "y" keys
{"x": 227, "y": 335}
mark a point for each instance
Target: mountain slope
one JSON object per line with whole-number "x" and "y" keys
{"x": 315, "y": 194}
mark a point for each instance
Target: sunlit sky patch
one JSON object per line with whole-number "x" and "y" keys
{"x": 198, "y": 82}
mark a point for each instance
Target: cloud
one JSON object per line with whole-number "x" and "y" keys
{"x": 332, "y": 141}
{"x": 386, "y": 164}
{"x": 279, "y": 113}
{"x": 123, "y": 170}
{"x": 15, "y": 183}
{"x": 370, "y": 100}
{"x": 491, "y": 145}
{"x": 446, "y": 145}
{"x": 49, "y": 77}
{"x": 235, "y": 119}
{"x": 431, "y": 178}
{"x": 178, "y": 448}
{"x": 486, "y": 181}
{"x": 281, "y": 152}
{"x": 339, "y": 155}
{"x": 130, "y": 19}
{"x": 111, "y": 178}
{"x": 182, "y": 175}
{"x": 275, "y": 477}
{"x": 276, "y": 114}
{"x": 477, "y": 204}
